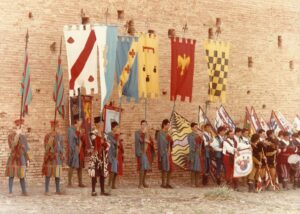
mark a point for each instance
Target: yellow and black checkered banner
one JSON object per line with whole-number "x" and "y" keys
{"x": 217, "y": 57}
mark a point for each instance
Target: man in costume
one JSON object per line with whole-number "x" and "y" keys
{"x": 165, "y": 144}
{"x": 286, "y": 149}
{"x": 113, "y": 138}
{"x": 270, "y": 152}
{"x": 256, "y": 157}
{"x": 207, "y": 137}
{"x": 195, "y": 145}
{"x": 294, "y": 160}
{"x": 98, "y": 159}
{"x": 142, "y": 144}
{"x": 217, "y": 146}
{"x": 76, "y": 151}
{"x": 53, "y": 157}
{"x": 18, "y": 159}
{"x": 230, "y": 147}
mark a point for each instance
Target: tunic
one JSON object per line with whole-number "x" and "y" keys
{"x": 165, "y": 144}
{"x": 195, "y": 144}
{"x": 141, "y": 151}
{"x": 18, "y": 157}
{"x": 74, "y": 147}
{"x": 54, "y": 155}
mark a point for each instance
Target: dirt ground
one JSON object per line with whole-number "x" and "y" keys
{"x": 129, "y": 199}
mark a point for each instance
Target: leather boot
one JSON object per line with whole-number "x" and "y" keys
{"x": 163, "y": 179}
{"x": 251, "y": 187}
{"x": 79, "y": 174}
{"x": 284, "y": 185}
{"x": 141, "y": 180}
{"x": 144, "y": 179}
{"x": 205, "y": 180}
{"x": 113, "y": 185}
{"x": 70, "y": 174}
{"x": 168, "y": 180}
{"x": 110, "y": 178}
{"x": 197, "y": 177}
{"x": 193, "y": 178}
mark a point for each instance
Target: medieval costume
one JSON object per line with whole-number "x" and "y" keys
{"x": 257, "y": 163}
{"x": 165, "y": 144}
{"x": 98, "y": 160}
{"x": 207, "y": 156}
{"x": 230, "y": 146}
{"x": 18, "y": 159}
{"x": 217, "y": 146}
{"x": 143, "y": 146}
{"x": 113, "y": 158}
{"x": 195, "y": 146}
{"x": 53, "y": 158}
{"x": 270, "y": 152}
{"x": 286, "y": 149}
{"x": 294, "y": 160}
{"x": 76, "y": 149}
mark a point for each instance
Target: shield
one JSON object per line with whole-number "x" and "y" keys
{"x": 242, "y": 163}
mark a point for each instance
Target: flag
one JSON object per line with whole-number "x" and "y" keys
{"x": 83, "y": 108}
{"x": 82, "y": 58}
{"x": 203, "y": 119}
{"x": 110, "y": 114}
{"x": 182, "y": 68}
{"x": 279, "y": 123}
{"x": 148, "y": 66}
{"x": 58, "y": 94}
{"x": 106, "y": 39}
{"x": 223, "y": 119}
{"x": 126, "y": 67}
{"x": 264, "y": 125}
{"x": 180, "y": 128}
{"x": 296, "y": 123}
{"x": 217, "y": 57}
{"x": 243, "y": 163}
{"x": 25, "y": 90}
{"x": 254, "y": 120}
{"x": 248, "y": 123}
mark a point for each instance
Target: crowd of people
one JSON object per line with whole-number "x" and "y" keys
{"x": 275, "y": 158}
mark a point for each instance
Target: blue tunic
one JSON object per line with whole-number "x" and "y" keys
{"x": 140, "y": 152}
{"x": 194, "y": 154}
{"x": 164, "y": 149}
{"x": 74, "y": 144}
{"x": 112, "y": 152}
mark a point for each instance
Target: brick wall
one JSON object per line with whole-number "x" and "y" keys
{"x": 252, "y": 28}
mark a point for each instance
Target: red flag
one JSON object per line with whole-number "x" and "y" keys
{"x": 182, "y": 67}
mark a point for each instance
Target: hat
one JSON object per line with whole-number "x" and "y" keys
{"x": 19, "y": 122}
{"x": 97, "y": 119}
{"x": 53, "y": 123}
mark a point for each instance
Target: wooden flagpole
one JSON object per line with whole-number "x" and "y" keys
{"x": 21, "y": 109}
{"x": 55, "y": 108}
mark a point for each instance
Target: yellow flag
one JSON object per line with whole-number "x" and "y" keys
{"x": 148, "y": 66}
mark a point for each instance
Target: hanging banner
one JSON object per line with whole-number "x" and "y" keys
{"x": 107, "y": 46}
{"x": 148, "y": 66}
{"x": 82, "y": 58}
{"x": 126, "y": 67}
{"x": 182, "y": 68}
{"x": 217, "y": 57}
